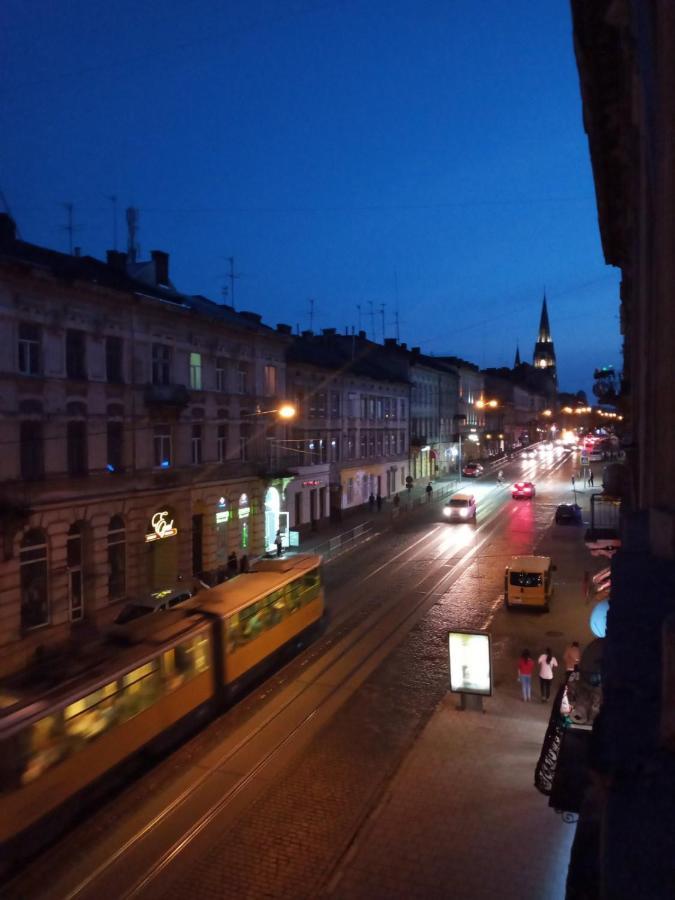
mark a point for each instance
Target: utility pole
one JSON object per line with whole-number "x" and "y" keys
{"x": 132, "y": 229}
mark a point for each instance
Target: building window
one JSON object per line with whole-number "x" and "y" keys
{"x": 196, "y": 445}
{"x": 161, "y": 364}
{"x": 161, "y": 444}
{"x": 334, "y": 449}
{"x": 270, "y": 381}
{"x": 117, "y": 559}
{"x": 371, "y": 444}
{"x": 317, "y": 405}
{"x": 243, "y": 385}
{"x": 113, "y": 360}
{"x": 115, "y": 446}
{"x": 221, "y": 442}
{"x": 363, "y": 445}
{"x": 33, "y": 567}
{"x": 76, "y": 441}
{"x": 29, "y": 348}
{"x": 196, "y": 371}
{"x": 402, "y": 407}
{"x": 32, "y": 451}
{"x": 76, "y": 354}
{"x": 221, "y": 374}
{"x": 244, "y": 439}
{"x": 335, "y": 404}
{"x": 75, "y": 572}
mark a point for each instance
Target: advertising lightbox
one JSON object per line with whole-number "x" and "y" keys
{"x": 470, "y": 662}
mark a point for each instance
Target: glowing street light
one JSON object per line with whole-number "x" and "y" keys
{"x": 285, "y": 411}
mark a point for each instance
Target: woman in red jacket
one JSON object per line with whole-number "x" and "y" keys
{"x": 525, "y": 669}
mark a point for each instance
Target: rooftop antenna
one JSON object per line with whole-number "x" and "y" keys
{"x": 382, "y": 307}
{"x": 70, "y": 227}
{"x": 358, "y": 307}
{"x": 232, "y": 275}
{"x": 372, "y": 318}
{"x": 113, "y": 200}
{"x": 133, "y": 249}
{"x": 398, "y": 335}
{"x": 311, "y": 314}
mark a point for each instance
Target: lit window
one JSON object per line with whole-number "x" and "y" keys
{"x": 196, "y": 371}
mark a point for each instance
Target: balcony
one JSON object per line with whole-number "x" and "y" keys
{"x": 166, "y": 396}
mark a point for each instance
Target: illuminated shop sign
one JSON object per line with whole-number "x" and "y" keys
{"x": 312, "y": 483}
{"x": 160, "y": 527}
{"x": 470, "y": 662}
{"x": 222, "y": 517}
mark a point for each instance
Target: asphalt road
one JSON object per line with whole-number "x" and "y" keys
{"x": 266, "y": 800}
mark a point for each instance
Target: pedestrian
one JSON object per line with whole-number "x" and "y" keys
{"x": 574, "y": 481}
{"x": 525, "y": 669}
{"x": 371, "y": 502}
{"x": 547, "y": 663}
{"x": 429, "y": 489}
{"x": 572, "y": 657}
{"x": 396, "y": 501}
{"x": 279, "y": 542}
{"x": 243, "y": 564}
{"x": 590, "y": 477}
{"x": 379, "y": 502}
{"x": 232, "y": 565}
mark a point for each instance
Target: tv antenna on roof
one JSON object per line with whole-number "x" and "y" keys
{"x": 70, "y": 227}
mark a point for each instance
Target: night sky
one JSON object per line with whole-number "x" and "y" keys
{"x": 425, "y": 155}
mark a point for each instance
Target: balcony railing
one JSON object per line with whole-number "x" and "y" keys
{"x": 171, "y": 395}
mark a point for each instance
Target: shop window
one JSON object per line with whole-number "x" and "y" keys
{"x": 117, "y": 559}
{"x": 29, "y": 348}
{"x": 115, "y": 446}
{"x": 34, "y": 580}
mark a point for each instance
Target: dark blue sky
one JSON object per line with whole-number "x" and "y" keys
{"x": 429, "y": 152}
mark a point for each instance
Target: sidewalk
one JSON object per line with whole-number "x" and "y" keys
{"x": 462, "y": 818}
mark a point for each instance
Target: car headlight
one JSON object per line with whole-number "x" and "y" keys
{"x": 463, "y": 513}
{"x": 446, "y": 511}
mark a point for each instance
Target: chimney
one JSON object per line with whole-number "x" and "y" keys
{"x": 362, "y": 334}
{"x": 251, "y": 316}
{"x": 7, "y": 229}
{"x": 415, "y": 350}
{"x": 77, "y": 251}
{"x": 116, "y": 259}
{"x": 161, "y": 261}
{"x": 283, "y": 329}
{"x": 307, "y": 333}
{"x": 328, "y": 332}
{"x": 403, "y": 346}
{"x": 390, "y": 342}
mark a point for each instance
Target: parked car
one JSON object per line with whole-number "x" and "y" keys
{"x": 472, "y": 470}
{"x": 460, "y": 508}
{"x": 568, "y": 514}
{"x": 528, "y": 454}
{"x": 523, "y": 490}
{"x": 158, "y": 601}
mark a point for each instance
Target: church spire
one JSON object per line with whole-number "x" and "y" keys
{"x": 544, "y": 351}
{"x": 516, "y": 362}
{"x": 544, "y": 327}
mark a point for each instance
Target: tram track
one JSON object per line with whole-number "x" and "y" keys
{"x": 299, "y": 711}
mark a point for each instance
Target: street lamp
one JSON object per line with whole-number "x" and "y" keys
{"x": 285, "y": 411}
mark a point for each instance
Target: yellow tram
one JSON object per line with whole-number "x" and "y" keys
{"x": 159, "y": 675}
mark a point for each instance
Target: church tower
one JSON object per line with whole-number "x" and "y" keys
{"x": 544, "y": 352}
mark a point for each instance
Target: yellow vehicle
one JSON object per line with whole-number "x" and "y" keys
{"x": 528, "y": 581}
{"x": 154, "y": 679}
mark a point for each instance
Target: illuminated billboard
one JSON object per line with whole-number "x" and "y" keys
{"x": 470, "y": 662}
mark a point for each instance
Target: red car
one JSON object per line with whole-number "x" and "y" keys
{"x": 523, "y": 490}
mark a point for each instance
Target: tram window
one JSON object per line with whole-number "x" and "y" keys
{"x": 92, "y": 715}
{"x": 45, "y": 747}
{"x": 185, "y": 661}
